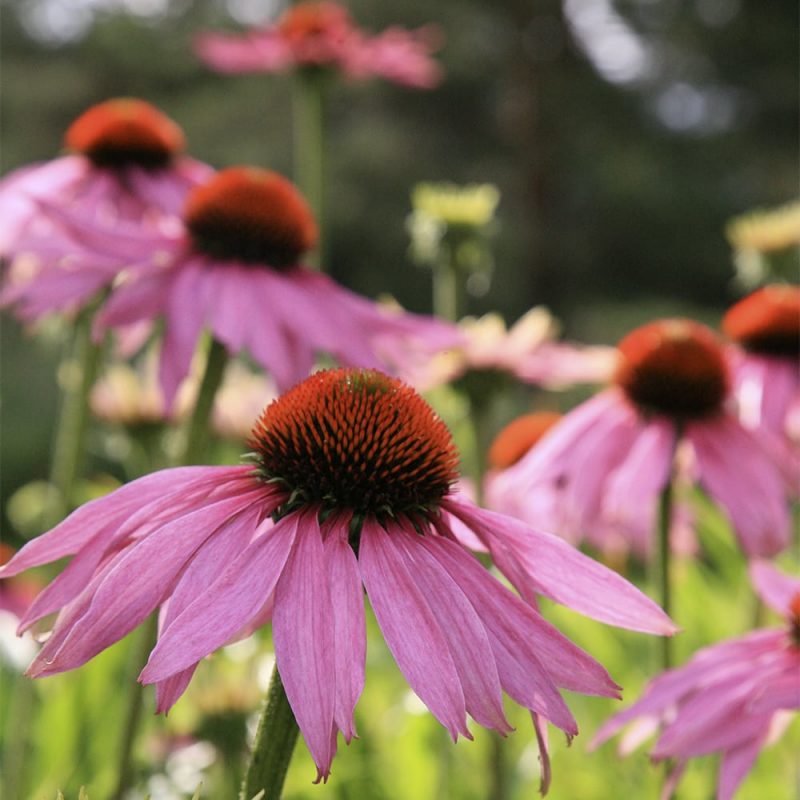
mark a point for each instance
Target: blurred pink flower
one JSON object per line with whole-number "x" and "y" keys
{"x": 765, "y": 327}
{"x": 127, "y": 164}
{"x": 322, "y": 34}
{"x": 730, "y": 698}
{"x": 351, "y": 471}
{"x": 233, "y": 268}
{"x": 602, "y": 468}
{"x": 528, "y": 350}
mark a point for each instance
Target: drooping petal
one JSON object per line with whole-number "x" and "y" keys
{"x": 736, "y": 763}
{"x": 540, "y": 562}
{"x": 540, "y": 726}
{"x": 774, "y": 587}
{"x": 303, "y": 631}
{"x": 739, "y": 475}
{"x": 410, "y": 628}
{"x": 135, "y": 585}
{"x": 467, "y": 638}
{"x": 350, "y": 642}
{"x": 235, "y": 597}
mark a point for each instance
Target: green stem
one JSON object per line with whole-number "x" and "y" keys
{"x": 449, "y": 298}
{"x": 309, "y": 148}
{"x": 76, "y": 375}
{"x": 664, "y": 556}
{"x": 274, "y": 744}
{"x": 194, "y": 444}
{"x": 196, "y": 431}
{"x": 138, "y": 657}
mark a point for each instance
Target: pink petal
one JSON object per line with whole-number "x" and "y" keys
{"x": 739, "y": 476}
{"x": 468, "y": 641}
{"x": 774, "y": 587}
{"x": 540, "y": 726}
{"x": 736, "y": 763}
{"x": 135, "y": 585}
{"x": 303, "y": 632}
{"x": 410, "y": 628}
{"x": 350, "y": 642}
{"x": 169, "y": 691}
{"x": 540, "y": 562}
{"x": 234, "y": 598}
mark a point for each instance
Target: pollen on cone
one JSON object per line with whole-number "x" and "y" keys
{"x": 125, "y": 130}
{"x": 253, "y": 215}
{"x": 519, "y": 436}
{"x": 766, "y": 321}
{"x": 674, "y": 367}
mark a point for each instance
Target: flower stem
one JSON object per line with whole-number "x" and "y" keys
{"x": 138, "y": 657}
{"x": 196, "y": 431}
{"x": 274, "y": 744}
{"x": 449, "y": 298}
{"x": 664, "y": 556}
{"x": 76, "y": 375}
{"x": 309, "y": 148}
{"x": 194, "y": 443}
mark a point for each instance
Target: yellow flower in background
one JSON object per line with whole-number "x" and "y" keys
{"x": 766, "y": 231}
{"x": 472, "y": 205}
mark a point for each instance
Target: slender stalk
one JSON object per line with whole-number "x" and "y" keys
{"x": 274, "y": 744}
{"x": 309, "y": 148}
{"x": 194, "y": 443}
{"x": 133, "y": 716}
{"x": 196, "y": 431}
{"x": 449, "y": 298}
{"x": 76, "y": 375}
{"x": 664, "y": 556}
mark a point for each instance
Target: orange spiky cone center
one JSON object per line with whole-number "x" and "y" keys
{"x": 251, "y": 215}
{"x": 767, "y": 321}
{"x": 308, "y": 20}
{"x": 358, "y": 440}
{"x": 674, "y": 367}
{"x": 519, "y": 436}
{"x": 125, "y": 131}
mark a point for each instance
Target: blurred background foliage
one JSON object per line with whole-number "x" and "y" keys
{"x": 622, "y": 136}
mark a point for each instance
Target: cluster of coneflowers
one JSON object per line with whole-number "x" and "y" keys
{"x": 351, "y": 485}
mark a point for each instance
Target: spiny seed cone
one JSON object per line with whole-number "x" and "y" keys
{"x": 125, "y": 131}
{"x": 251, "y": 215}
{"x": 767, "y": 321}
{"x": 359, "y": 440}
{"x": 674, "y": 367}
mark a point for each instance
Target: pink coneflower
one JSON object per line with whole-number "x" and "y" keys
{"x": 126, "y": 163}
{"x": 730, "y": 698}
{"x": 765, "y": 327}
{"x": 528, "y": 351}
{"x": 322, "y": 35}
{"x": 350, "y": 490}
{"x": 607, "y": 461}
{"x": 234, "y": 268}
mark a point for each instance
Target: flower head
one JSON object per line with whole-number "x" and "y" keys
{"x": 730, "y": 698}
{"x": 605, "y": 463}
{"x": 765, "y": 330}
{"x": 321, "y": 35}
{"x": 351, "y": 487}
{"x": 234, "y": 267}
{"x": 766, "y": 231}
{"x": 528, "y": 351}
{"x": 126, "y": 162}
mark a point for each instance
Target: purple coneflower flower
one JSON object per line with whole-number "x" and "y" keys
{"x": 765, "y": 327}
{"x": 351, "y": 487}
{"x": 233, "y": 267}
{"x": 126, "y": 163}
{"x": 607, "y": 461}
{"x": 322, "y": 35}
{"x": 730, "y": 698}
